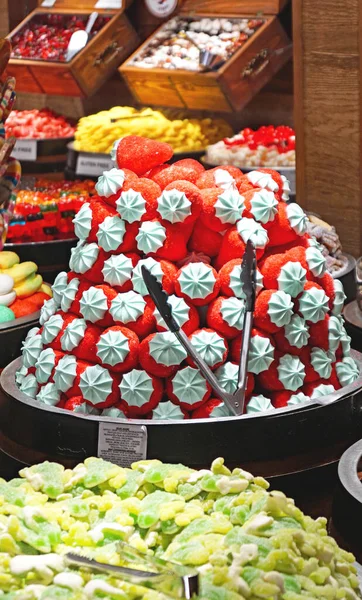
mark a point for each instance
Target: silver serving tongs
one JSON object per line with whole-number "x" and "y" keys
{"x": 175, "y": 581}
{"x": 236, "y": 401}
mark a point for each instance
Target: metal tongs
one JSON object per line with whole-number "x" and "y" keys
{"x": 175, "y": 581}
{"x": 236, "y": 401}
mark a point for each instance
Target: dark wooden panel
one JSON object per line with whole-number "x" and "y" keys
{"x": 223, "y": 7}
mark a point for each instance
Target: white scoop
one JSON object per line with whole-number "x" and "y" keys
{"x": 80, "y": 38}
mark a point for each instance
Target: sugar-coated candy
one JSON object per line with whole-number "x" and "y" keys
{"x": 141, "y": 154}
{"x": 205, "y": 240}
{"x": 140, "y": 392}
{"x": 198, "y": 283}
{"x": 183, "y": 312}
{"x": 226, "y": 316}
{"x": 223, "y": 177}
{"x": 161, "y": 353}
{"x": 188, "y": 388}
{"x": 210, "y": 345}
{"x": 221, "y": 208}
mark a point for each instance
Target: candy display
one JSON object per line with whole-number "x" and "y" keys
{"x": 46, "y": 210}
{"x": 46, "y": 36}
{"x": 22, "y": 290}
{"x": 266, "y": 147}
{"x": 181, "y": 41}
{"x": 329, "y": 243}
{"x": 243, "y": 540}
{"x": 101, "y": 337}
{"x": 96, "y": 133}
{"x": 38, "y": 124}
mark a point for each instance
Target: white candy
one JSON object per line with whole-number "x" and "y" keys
{"x": 6, "y": 284}
{"x": 7, "y": 299}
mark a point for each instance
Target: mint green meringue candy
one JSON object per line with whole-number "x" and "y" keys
{"x": 112, "y": 347}
{"x": 93, "y": 304}
{"x": 117, "y": 270}
{"x": 83, "y": 257}
{"x": 229, "y": 206}
{"x": 339, "y": 297}
{"x": 297, "y": 399}
{"x": 127, "y": 307}
{"x": 232, "y": 311}
{"x": 249, "y": 229}
{"x": 110, "y": 182}
{"x": 48, "y": 309}
{"x": 259, "y": 404}
{"x": 29, "y": 386}
{"x": 291, "y": 372}
{"x": 58, "y": 287}
{"x": 113, "y": 412}
{"x": 261, "y": 354}
{"x": 180, "y": 311}
{"x": 264, "y": 206}
{"x": 292, "y": 278}
{"x": 189, "y": 386}
{"x": 137, "y": 280}
{"x": 73, "y": 334}
{"x": 174, "y": 206}
{"x": 31, "y": 349}
{"x": 297, "y": 332}
{"x": 228, "y": 375}
{"x": 347, "y": 371}
{"x": 166, "y": 411}
{"x": 136, "y": 388}
{"x": 220, "y": 412}
{"x": 111, "y": 233}
{"x": 51, "y": 328}
{"x": 69, "y": 294}
{"x": 49, "y": 394}
{"x": 20, "y": 374}
{"x": 316, "y": 261}
{"x": 131, "y": 206}
{"x": 197, "y": 280}
{"x": 313, "y": 305}
{"x": 280, "y": 308}
{"x": 65, "y": 372}
{"x": 210, "y": 345}
{"x": 297, "y": 218}
{"x": 236, "y": 285}
{"x": 44, "y": 365}
{"x": 85, "y": 409}
{"x": 321, "y": 362}
{"x": 322, "y": 390}
{"x": 151, "y": 236}
{"x": 166, "y": 350}
{"x": 95, "y": 384}
{"x": 83, "y": 221}
{"x": 335, "y": 332}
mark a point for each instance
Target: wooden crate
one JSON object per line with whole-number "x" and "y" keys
{"x": 229, "y": 88}
{"x": 90, "y": 68}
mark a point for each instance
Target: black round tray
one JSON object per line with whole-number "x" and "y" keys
{"x": 348, "y": 277}
{"x": 12, "y": 335}
{"x": 353, "y": 322}
{"x": 51, "y": 256}
{"x": 347, "y": 501}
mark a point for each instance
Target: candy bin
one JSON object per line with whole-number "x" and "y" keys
{"x": 42, "y": 61}
{"x": 214, "y": 57}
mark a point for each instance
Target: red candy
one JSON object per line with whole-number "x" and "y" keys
{"x": 141, "y": 154}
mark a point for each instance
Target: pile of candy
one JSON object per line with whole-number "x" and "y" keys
{"x": 22, "y": 291}
{"x": 46, "y": 211}
{"x": 266, "y": 147}
{"x": 46, "y": 36}
{"x": 38, "y": 124}
{"x": 98, "y": 132}
{"x": 330, "y": 244}
{"x": 102, "y": 345}
{"x": 178, "y": 43}
{"x": 245, "y": 541}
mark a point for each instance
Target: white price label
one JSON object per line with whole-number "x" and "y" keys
{"x": 161, "y": 8}
{"x": 117, "y": 4}
{"x": 48, "y": 3}
{"x": 93, "y": 165}
{"x": 122, "y": 443}
{"x": 25, "y": 150}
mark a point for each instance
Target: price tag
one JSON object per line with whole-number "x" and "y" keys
{"x": 48, "y": 3}
{"x": 161, "y": 8}
{"x": 108, "y": 4}
{"x": 93, "y": 166}
{"x": 25, "y": 150}
{"x": 122, "y": 443}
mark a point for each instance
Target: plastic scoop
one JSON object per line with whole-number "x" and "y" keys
{"x": 79, "y": 38}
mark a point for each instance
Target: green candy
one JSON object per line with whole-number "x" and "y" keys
{"x": 6, "y": 314}
{"x": 46, "y": 477}
{"x": 150, "y": 508}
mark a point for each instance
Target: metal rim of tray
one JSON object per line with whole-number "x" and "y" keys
{"x": 350, "y": 266}
{"x": 20, "y": 321}
{"x": 9, "y": 386}
{"x": 347, "y": 471}
{"x": 13, "y": 245}
{"x": 205, "y": 162}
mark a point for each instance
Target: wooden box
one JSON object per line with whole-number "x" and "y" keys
{"x": 233, "y": 85}
{"x": 90, "y": 68}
